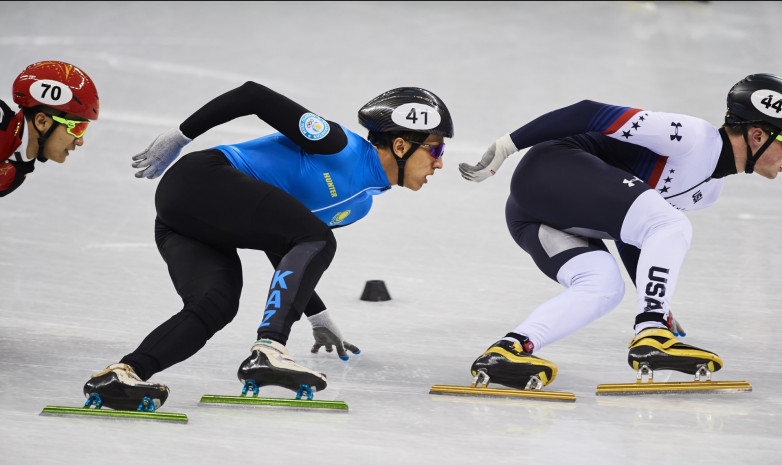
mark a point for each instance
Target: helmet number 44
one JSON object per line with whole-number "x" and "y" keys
{"x": 768, "y": 102}
{"x": 416, "y": 116}
{"x": 775, "y": 105}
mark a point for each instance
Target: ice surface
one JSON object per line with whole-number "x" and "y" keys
{"x": 83, "y": 283}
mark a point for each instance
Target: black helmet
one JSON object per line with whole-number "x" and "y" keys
{"x": 407, "y": 109}
{"x": 756, "y": 98}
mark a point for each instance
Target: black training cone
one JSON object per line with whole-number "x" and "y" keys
{"x": 375, "y": 291}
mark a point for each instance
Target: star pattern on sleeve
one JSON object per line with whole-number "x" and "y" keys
{"x": 665, "y": 182}
{"x": 635, "y": 125}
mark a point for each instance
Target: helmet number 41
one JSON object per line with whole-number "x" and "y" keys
{"x": 416, "y": 116}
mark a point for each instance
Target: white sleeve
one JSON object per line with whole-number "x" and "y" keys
{"x": 667, "y": 134}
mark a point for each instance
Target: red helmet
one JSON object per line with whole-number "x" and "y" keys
{"x": 59, "y": 85}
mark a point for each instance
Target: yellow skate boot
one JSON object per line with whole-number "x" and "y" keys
{"x": 509, "y": 364}
{"x": 659, "y": 350}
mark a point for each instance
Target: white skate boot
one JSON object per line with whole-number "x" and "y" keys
{"x": 271, "y": 365}
{"x": 118, "y": 387}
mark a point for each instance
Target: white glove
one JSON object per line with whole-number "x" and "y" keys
{"x": 160, "y": 153}
{"x": 501, "y": 149}
{"x": 327, "y": 334}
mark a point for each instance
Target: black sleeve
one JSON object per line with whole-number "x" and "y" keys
{"x": 6, "y": 115}
{"x": 278, "y": 111}
{"x": 629, "y": 255}
{"x": 22, "y": 169}
{"x": 584, "y": 116}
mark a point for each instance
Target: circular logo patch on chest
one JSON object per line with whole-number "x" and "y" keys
{"x": 339, "y": 218}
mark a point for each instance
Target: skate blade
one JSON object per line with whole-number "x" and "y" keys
{"x": 673, "y": 388}
{"x": 335, "y": 405}
{"x": 497, "y": 392}
{"x": 109, "y": 413}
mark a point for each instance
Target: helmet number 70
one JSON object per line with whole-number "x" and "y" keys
{"x": 50, "y": 92}
{"x": 56, "y": 91}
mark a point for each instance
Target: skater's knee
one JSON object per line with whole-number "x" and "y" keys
{"x": 597, "y": 276}
{"x": 217, "y": 303}
{"x": 683, "y": 228}
{"x": 320, "y": 247}
{"x": 214, "y": 309}
{"x": 611, "y": 292}
{"x": 674, "y": 226}
{"x": 329, "y": 246}
{"x": 606, "y": 286}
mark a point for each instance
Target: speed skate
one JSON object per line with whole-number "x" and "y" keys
{"x": 701, "y": 384}
{"x": 303, "y": 400}
{"x": 657, "y": 349}
{"x": 124, "y": 394}
{"x": 270, "y": 364}
{"x": 92, "y": 408}
{"x": 480, "y": 387}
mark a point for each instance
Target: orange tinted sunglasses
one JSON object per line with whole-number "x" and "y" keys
{"x": 75, "y": 128}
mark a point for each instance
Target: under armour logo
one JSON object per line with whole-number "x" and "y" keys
{"x": 676, "y": 127}
{"x": 631, "y": 182}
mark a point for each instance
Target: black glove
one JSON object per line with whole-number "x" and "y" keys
{"x": 22, "y": 169}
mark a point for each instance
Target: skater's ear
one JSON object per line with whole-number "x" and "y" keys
{"x": 399, "y": 147}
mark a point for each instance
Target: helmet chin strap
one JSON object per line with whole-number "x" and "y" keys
{"x": 42, "y": 138}
{"x": 400, "y": 164}
{"x": 752, "y": 159}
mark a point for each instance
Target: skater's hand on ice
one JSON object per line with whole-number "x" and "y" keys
{"x": 325, "y": 338}
{"x": 160, "y": 153}
{"x": 491, "y": 161}
{"x": 327, "y": 334}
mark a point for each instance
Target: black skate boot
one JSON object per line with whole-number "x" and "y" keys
{"x": 271, "y": 365}
{"x": 118, "y": 387}
{"x": 659, "y": 350}
{"x": 507, "y": 363}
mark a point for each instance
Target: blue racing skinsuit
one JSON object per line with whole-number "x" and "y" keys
{"x": 282, "y": 194}
{"x": 337, "y": 188}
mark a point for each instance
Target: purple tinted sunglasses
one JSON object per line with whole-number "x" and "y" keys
{"x": 435, "y": 151}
